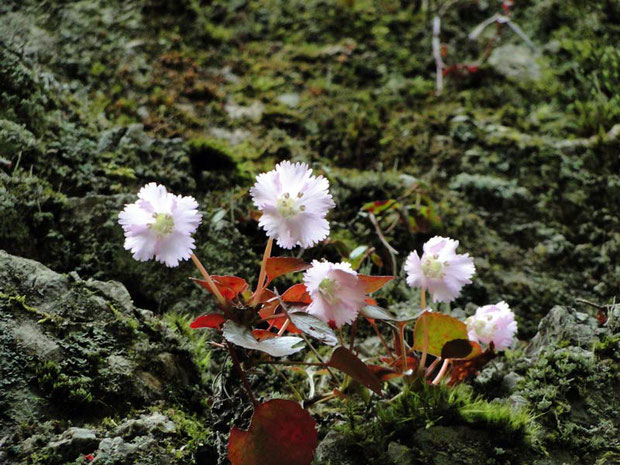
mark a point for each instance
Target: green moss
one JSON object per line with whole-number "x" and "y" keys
{"x": 572, "y": 391}
{"x": 195, "y": 432}
{"x": 19, "y": 301}
{"x": 405, "y": 418}
{"x": 198, "y": 340}
{"x": 73, "y": 391}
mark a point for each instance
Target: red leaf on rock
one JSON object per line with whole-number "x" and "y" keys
{"x": 346, "y": 361}
{"x": 278, "y": 266}
{"x": 373, "y": 283}
{"x": 280, "y": 433}
{"x": 214, "y": 320}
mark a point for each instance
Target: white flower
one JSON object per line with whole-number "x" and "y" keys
{"x": 160, "y": 224}
{"x": 336, "y": 291}
{"x": 440, "y": 270}
{"x": 294, "y": 204}
{"x": 493, "y": 323}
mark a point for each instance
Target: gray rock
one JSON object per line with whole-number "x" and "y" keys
{"x": 113, "y": 447}
{"x": 72, "y": 348}
{"x": 564, "y": 324}
{"x": 333, "y": 449}
{"x": 515, "y": 62}
{"x": 399, "y": 454}
{"x": 232, "y": 137}
{"x": 290, "y": 100}
{"x": 144, "y": 425}
{"x": 252, "y": 112}
{"x": 74, "y": 442}
{"x": 30, "y": 337}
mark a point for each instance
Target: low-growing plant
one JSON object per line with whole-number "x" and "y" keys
{"x": 327, "y": 308}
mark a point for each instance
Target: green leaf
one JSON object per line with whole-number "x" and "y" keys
{"x": 440, "y": 329}
{"x": 276, "y": 347}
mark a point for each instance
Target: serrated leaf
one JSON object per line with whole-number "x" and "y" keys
{"x": 277, "y": 347}
{"x": 278, "y": 266}
{"x": 347, "y": 362}
{"x": 280, "y": 433}
{"x": 314, "y": 327}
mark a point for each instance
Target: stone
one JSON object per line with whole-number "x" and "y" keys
{"x": 399, "y": 454}
{"x": 564, "y": 324}
{"x": 75, "y": 442}
{"x": 515, "y": 62}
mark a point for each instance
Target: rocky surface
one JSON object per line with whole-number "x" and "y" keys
{"x": 518, "y": 160}
{"x": 78, "y": 358}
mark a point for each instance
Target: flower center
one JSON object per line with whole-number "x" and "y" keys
{"x": 163, "y": 224}
{"x": 485, "y": 329}
{"x": 287, "y": 205}
{"x": 432, "y": 268}
{"x": 328, "y": 289}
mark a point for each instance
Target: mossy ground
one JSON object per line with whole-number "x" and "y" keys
{"x": 99, "y": 97}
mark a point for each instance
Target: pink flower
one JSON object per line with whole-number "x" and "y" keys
{"x": 160, "y": 224}
{"x": 493, "y": 323}
{"x": 294, "y": 204}
{"x": 440, "y": 270}
{"x": 336, "y": 291}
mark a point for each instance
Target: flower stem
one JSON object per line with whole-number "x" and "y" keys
{"x": 209, "y": 281}
{"x": 353, "y": 334}
{"x": 387, "y": 348}
{"x": 423, "y": 299}
{"x": 284, "y": 326}
{"x": 442, "y": 372}
{"x": 431, "y": 367}
{"x": 260, "y": 285}
{"x": 422, "y": 367}
{"x": 242, "y": 375}
{"x": 401, "y": 334}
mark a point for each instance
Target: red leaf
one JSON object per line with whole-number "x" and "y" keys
{"x": 269, "y": 309}
{"x": 374, "y": 283}
{"x": 277, "y": 266}
{"x": 229, "y": 286}
{"x": 384, "y": 373}
{"x": 298, "y": 294}
{"x": 263, "y": 334}
{"x": 463, "y": 369}
{"x": 214, "y": 320}
{"x": 346, "y": 361}
{"x": 281, "y": 433}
